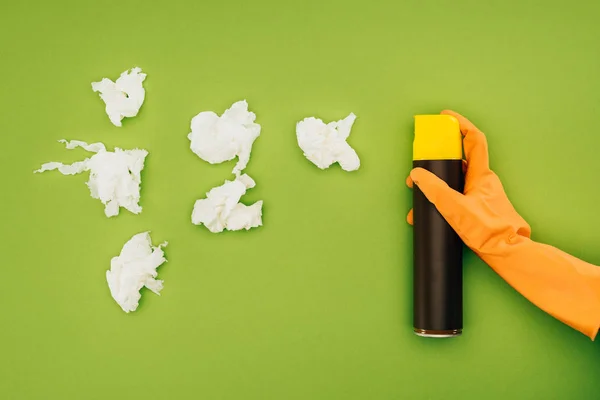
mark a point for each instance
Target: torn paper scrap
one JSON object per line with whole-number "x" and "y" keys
{"x": 325, "y": 144}
{"x": 133, "y": 269}
{"x": 122, "y": 98}
{"x": 221, "y": 208}
{"x": 217, "y": 139}
{"x": 115, "y": 176}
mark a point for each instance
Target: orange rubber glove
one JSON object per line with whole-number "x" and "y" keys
{"x": 563, "y": 286}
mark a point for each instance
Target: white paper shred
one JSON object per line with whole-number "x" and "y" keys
{"x": 122, "y": 98}
{"x": 325, "y": 144}
{"x": 218, "y": 139}
{"x": 221, "y": 208}
{"x": 133, "y": 269}
{"x": 115, "y": 177}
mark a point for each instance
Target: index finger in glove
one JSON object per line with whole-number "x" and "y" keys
{"x": 475, "y": 144}
{"x": 453, "y": 205}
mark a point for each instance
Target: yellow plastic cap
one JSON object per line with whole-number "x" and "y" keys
{"x": 437, "y": 137}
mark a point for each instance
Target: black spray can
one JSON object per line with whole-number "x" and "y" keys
{"x": 438, "y": 250}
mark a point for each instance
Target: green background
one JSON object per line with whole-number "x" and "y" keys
{"x": 316, "y": 304}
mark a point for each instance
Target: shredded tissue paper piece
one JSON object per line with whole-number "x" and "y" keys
{"x": 324, "y": 144}
{"x": 115, "y": 177}
{"x": 122, "y": 98}
{"x": 221, "y": 208}
{"x": 133, "y": 269}
{"x": 218, "y": 139}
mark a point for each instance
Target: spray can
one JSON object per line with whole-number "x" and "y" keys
{"x": 437, "y": 279}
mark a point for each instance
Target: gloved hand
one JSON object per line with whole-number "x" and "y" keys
{"x": 561, "y": 285}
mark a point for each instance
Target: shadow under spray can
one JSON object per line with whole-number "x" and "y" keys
{"x": 438, "y": 250}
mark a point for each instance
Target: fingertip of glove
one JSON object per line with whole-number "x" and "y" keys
{"x": 449, "y": 112}
{"x": 417, "y": 174}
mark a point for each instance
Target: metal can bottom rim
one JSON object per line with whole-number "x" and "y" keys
{"x": 438, "y": 333}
